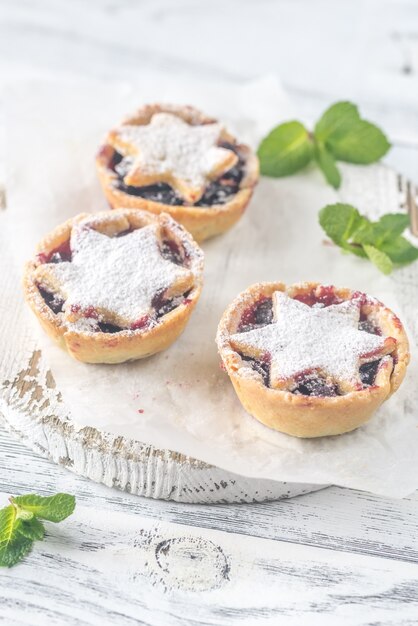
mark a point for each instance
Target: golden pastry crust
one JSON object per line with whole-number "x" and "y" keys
{"x": 201, "y": 222}
{"x": 127, "y": 344}
{"x": 303, "y": 415}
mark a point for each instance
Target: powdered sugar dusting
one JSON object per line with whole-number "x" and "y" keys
{"x": 303, "y": 338}
{"x": 170, "y": 146}
{"x": 117, "y": 277}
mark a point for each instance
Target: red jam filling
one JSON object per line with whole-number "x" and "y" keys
{"x": 60, "y": 254}
{"x": 323, "y": 295}
{"x": 143, "y": 322}
{"x": 89, "y": 312}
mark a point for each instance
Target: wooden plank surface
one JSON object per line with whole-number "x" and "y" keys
{"x": 334, "y": 557}
{"x": 336, "y": 519}
{"x": 325, "y": 556}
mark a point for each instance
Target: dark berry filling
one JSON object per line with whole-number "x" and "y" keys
{"x": 368, "y": 372}
{"x": 367, "y": 325}
{"x": 163, "y": 305}
{"x": 160, "y": 192}
{"x": 172, "y": 252}
{"x": 257, "y": 315}
{"x": 123, "y": 233}
{"x": 262, "y": 367}
{"x": 310, "y": 384}
{"x": 54, "y": 302}
{"x": 109, "y": 328}
{"x": 217, "y": 192}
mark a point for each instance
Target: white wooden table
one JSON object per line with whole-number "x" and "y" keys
{"x": 331, "y": 557}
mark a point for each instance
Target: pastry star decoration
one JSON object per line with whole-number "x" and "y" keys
{"x": 114, "y": 278}
{"x": 170, "y": 150}
{"x": 304, "y": 339}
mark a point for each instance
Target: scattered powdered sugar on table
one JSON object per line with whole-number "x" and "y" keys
{"x": 119, "y": 275}
{"x": 303, "y": 338}
{"x": 168, "y": 145}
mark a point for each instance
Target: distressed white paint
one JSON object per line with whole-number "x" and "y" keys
{"x": 331, "y": 557}
{"x": 125, "y": 567}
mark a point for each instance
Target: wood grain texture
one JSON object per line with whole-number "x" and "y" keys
{"x": 166, "y": 573}
{"x": 335, "y": 519}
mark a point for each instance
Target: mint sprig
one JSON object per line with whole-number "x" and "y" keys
{"x": 340, "y": 135}
{"x": 20, "y": 523}
{"x": 286, "y": 150}
{"x": 381, "y": 242}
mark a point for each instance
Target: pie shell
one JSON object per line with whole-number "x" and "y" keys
{"x": 126, "y": 345}
{"x": 310, "y": 416}
{"x": 201, "y": 222}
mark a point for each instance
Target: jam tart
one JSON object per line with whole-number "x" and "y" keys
{"x": 115, "y": 286}
{"x": 311, "y": 360}
{"x": 175, "y": 159}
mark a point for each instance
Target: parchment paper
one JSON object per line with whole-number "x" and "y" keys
{"x": 181, "y": 399}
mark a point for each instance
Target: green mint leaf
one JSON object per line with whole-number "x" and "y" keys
{"x": 53, "y": 508}
{"x": 366, "y": 234}
{"x": 392, "y": 224}
{"x": 400, "y": 251}
{"x": 13, "y": 546}
{"x": 364, "y": 144}
{"x": 336, "y": 122}
{"x": 19, "y": 526}
{"x": 379, "y": 258}
{"x": 340, "y": 221}
{"x": 7, "y": 524}
{"x": 15, "y": 551}
{"x": 385, "y": 230}
{"x": 21, "y": 514}
{"x": 327, "y": 165}
{"x": 379, "y": 241}
{"x": 32, "y": 529}
{"x": 340, "y": 134}
{"x": 286, "y": 150}
{"x": 349, "y": 137}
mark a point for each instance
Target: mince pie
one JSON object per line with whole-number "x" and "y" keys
{"x": 115, "y": 286}
{"x": 311, "y": 360}
{"x": 177, "y": 160}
